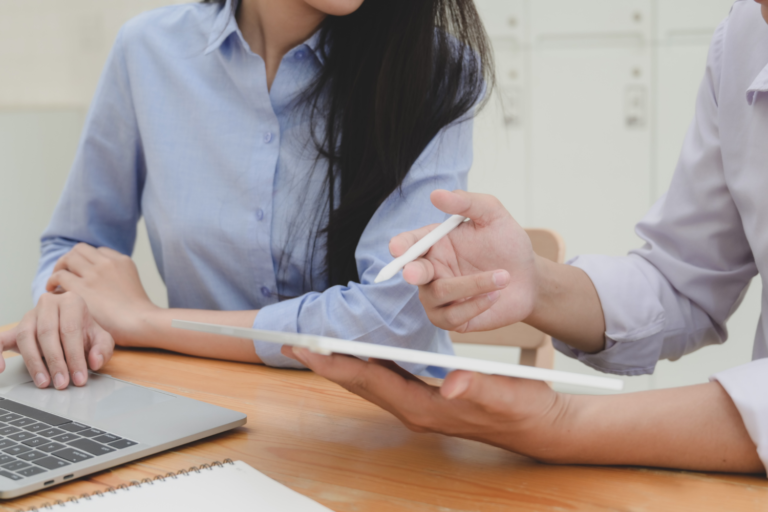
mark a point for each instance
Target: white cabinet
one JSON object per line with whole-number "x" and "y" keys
{"x": 590, "y": 145}
{"x": 556, "y": 20}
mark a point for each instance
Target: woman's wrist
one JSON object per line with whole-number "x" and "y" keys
{"x": 139, "y": 325}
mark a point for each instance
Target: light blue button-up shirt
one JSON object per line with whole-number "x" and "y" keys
{"x": 184, "y": 131}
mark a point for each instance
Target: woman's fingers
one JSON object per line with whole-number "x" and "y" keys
{"x": 102, "y": 346}
{"x": 72, "y": 318}
{"x": 26, "y": 342}
{"x": 74, "y": 262}
{"x": 62, "y": 278}
{"x": 419, "y": 272}
{"x": 48, "y": 337}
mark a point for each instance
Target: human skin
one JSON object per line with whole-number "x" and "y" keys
{"x": 95, "y": 298}
{"x": 484, "y": 275}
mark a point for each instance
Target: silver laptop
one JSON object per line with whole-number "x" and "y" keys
{"x": 48, "y": 437}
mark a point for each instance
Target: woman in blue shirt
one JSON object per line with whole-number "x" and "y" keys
{"x": 273, "y": 149}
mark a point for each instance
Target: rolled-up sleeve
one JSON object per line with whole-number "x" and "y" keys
{"x": 100, "y": 202}
{"x": 387, "y": 313}
{"x": 675, "y": 294}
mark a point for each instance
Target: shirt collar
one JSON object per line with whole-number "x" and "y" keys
{"x": 225, "y": 24}
{"x": 759, "y": 84}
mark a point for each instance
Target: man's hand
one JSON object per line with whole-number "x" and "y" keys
{"x": 109, "y": 283}
{"x": 59, "y": 341}
{"x": 483, "y": 275}
{"x": 524, "y": 416}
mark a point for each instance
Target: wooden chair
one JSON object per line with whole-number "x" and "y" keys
{"x": 536, "y": 347}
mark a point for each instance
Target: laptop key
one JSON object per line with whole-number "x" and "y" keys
{"x": 51, "y": 463}
{"x": 18, "y": 449}
{"x": 123, "y": 443}
{"x": 91, "y": 447}
{"x": 23, "y": 422}
{"x": 50, "y": 432}
{"x": 73, "y": 427}
{"x": 106, "y": 438}
{"x": 31, "y": 471}
{"x": 50, "y": 447}
{"x": 72, "y": 455}
{"x": 16, "y": 465}
{"x": 12, "y": 476}
{"x": 9, "y": 430}
{"x": 32, "y": 455}
{"x": 9, "y": 417}
{"x": 35, "y": 414}
{"x": 36, "y": 427}
{"x": 5, "y": 443}
{"x": 65, "y": 438}
{"x": 36, "y": 441}
{"x": 22, "y": 436}
{"x": 5, "y": 458}
{"x": 91, "y": 432}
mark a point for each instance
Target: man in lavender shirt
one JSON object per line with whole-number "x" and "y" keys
{"x": 704, "y": 241}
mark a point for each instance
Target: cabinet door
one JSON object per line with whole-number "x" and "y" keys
{"x": 499, "y": 137}
{"x": 590, "y": 145}
{"x": 551, "y": 20}
{"x": 505, "y": 19}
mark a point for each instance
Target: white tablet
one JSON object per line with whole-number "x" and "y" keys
{"x": 324, "y": 345}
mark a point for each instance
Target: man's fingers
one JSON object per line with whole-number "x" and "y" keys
{"x": 72, "y": 313}
{"x": 481, "y": 208}
{"x": 393, "y": 366}
{"x": 456, "y": 316}
{"x": 50, "y": 342}
{"x": 419, "y": 272}
{"x": 447, "y": 290}
{"x": 402, "y": 242}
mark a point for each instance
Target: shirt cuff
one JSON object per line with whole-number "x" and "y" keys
{"x": 634, "y": 316}
{"x": 277, "y": 317}
{"x": 746, "y": 385}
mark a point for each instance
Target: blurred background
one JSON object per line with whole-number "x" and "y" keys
{"x": 593, "y": 101}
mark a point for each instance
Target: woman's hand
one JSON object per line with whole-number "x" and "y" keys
{"x": 59, "y": 341}
{"x": 524, "y": 416}
{"x": 109, "y": 284}
{"x": 483, "y": 275}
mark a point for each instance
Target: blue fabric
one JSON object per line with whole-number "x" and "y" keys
{"x": 183, "y": 131}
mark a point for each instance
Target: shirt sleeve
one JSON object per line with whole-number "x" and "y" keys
{"x": 387, "y": 313}
{"x": 100, "y": 201}
{"x": 675, "y": 294}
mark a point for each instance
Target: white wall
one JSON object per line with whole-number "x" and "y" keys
{"x": 593, "y": 101}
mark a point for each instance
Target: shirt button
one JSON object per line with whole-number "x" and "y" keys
{"x": 265, "y": 291}
{"x": 300, "y": 54}
{"x": 259, "y": 213}
{"x": 268, "y": 137}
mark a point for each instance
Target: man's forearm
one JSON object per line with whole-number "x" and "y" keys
{"x": 567, "y": 306}
{"x": 693, "y": 427}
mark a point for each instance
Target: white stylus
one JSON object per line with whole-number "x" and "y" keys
{"x": 419, "y": 248}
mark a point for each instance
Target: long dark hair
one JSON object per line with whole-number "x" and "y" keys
{"x": 395, "y": 73}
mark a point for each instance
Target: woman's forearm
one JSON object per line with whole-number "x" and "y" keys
{"x": 693, "y": 427}
{"x": 567, "y": 306}
{"x": 154, "y": 330}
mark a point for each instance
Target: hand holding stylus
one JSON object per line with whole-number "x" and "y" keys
{"x": 482, "y": 275}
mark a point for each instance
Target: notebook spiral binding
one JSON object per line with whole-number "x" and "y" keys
{"x": 126, "y": 487}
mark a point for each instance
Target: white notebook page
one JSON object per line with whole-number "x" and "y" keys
{"x": 231, "y": 487}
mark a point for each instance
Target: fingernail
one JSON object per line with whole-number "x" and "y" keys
{"x": 500, "y": 279}
{"x": 457, "y": 389}
{"x": 59, "y": 381}
{"x": 493, "y": 296}
{"x": 40, "y": 378}
{"x": 79, "y": 378}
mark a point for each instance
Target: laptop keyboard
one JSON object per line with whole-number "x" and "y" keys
{"x": 34, "y": 441}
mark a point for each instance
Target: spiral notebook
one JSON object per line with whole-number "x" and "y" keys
{"x": 230, "y": 486}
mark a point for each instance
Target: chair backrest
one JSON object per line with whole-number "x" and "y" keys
{"x": 548, "y": 244}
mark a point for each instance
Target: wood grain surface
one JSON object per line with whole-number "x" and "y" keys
{"x": 334, "y": 447}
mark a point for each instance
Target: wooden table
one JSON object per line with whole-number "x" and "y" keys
{"x": 334, "y": 447}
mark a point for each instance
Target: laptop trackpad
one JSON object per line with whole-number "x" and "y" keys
{"x": 102, "y": 398}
